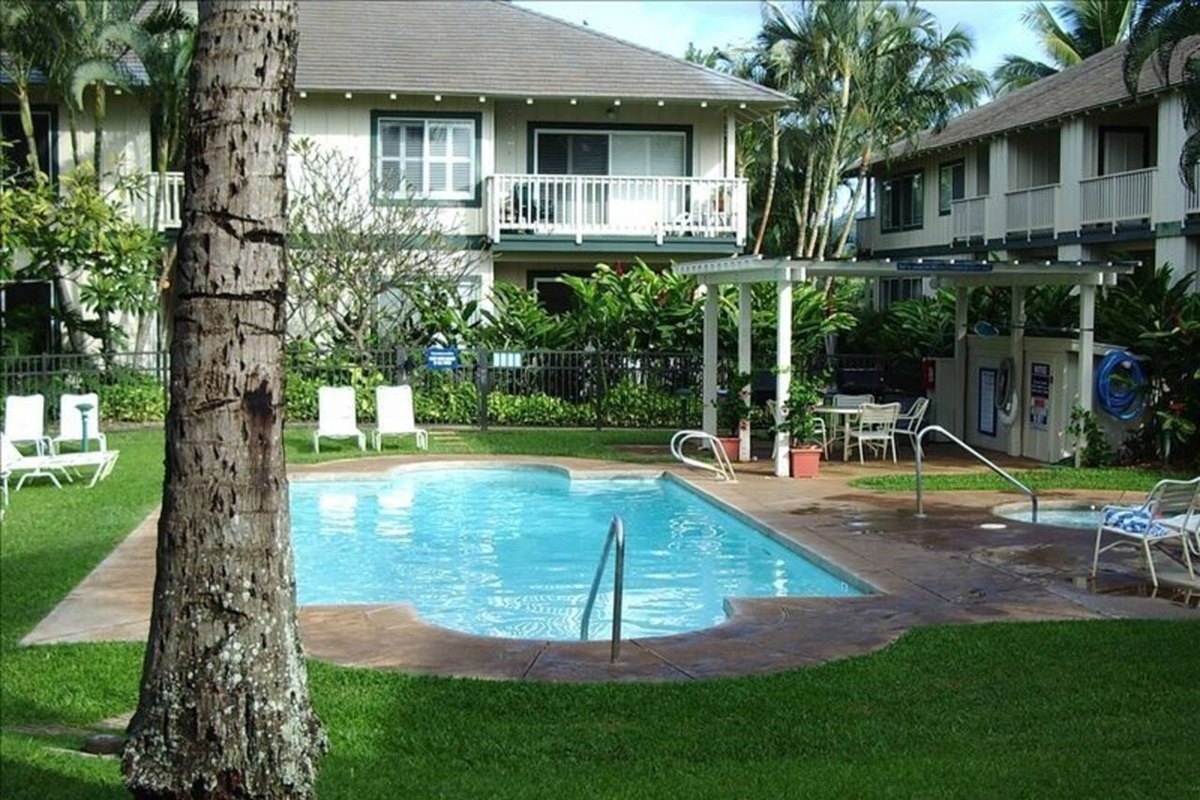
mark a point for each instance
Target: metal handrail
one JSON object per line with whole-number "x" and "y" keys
{"x": 723, "y": 467}
{"x": 994, "y": 467}
{"x": 616, "y": 532}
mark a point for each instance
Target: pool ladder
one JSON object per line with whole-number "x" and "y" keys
{"x": 994, "y": 467}
{"x": 616, "y": 533}
{"x": 721, "y": 464}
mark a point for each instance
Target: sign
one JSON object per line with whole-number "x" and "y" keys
{"x": 441, "y": 357}
{"x": 1039, "y": 395}
{"x": 943, "y": 266}
{"x": 987, "y": 402}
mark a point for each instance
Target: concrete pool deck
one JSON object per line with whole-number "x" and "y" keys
{"x": 939, "y": 569}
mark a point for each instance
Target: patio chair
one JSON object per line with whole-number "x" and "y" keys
{"x": 909, "y": 423}
{"x": 70, "y": 421}
{"x": 1171, "y": 511}
{"x": 876, "y": 429}
{"x": 394, "y": 416}
{"x": 25, "y": 421}
{"x": 336, "y": 416}
{"x": 66, "y": 465}
{"x": 852, "y": 400}
{"x": 780, "y": 415}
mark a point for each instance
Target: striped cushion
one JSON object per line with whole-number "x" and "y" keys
{"x": 1136, "y": 522}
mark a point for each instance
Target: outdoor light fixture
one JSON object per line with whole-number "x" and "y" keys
{"x": 349, "y": 95}
{"x": 437, "y": 98}
{"x": 392, "y": 96}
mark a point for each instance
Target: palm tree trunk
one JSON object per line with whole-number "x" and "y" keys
{"x": 224, "y": 709}
{"x": 771, "y": 180}
{"x": 27, "y": 130}
{"x": 810, "y": 164}
{"x": 98, "y": 111}
{"x": 854, "y": 201}
{"x": 835, "y": 157}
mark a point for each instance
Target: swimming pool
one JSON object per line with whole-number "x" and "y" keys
{"x": 512, "y": 552}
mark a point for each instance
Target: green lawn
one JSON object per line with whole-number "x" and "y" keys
{"x": 1062, "y": 710}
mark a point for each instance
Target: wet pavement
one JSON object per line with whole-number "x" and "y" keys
{"x": 941, "y": 568}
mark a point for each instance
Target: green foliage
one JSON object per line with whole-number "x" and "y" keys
{"x": 631, "y": 405}
{"x": 733, "y": 404}
{"x": 1096, "y": 450}
{"x": 134, "y": 398}
{"x": 805, "y": 392}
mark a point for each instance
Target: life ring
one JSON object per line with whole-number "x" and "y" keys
{"x": 1124, "y": 397}
{"x": 1007, "y": 402}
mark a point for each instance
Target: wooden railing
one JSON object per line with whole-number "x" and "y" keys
{"x": 1029, "y": 210}
{"x": 584, "y": 205}
{"x": 1120, "y": 197}
{"x": 968, "y": 217}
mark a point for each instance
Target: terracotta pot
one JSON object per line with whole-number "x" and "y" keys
{"x": 805, "y": 461}
{"x": 731, "y": 444}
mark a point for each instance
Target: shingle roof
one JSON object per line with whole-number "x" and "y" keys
{"x": 492, "y": 48}
{"x": 1097, "y": 82}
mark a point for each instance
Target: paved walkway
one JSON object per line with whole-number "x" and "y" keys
{"x": 939, "y": 569}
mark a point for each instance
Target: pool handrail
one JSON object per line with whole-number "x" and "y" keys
{"x": 991, "y": 465}
{"x": 723, "y": 466}
{"x": 616, "y": 532}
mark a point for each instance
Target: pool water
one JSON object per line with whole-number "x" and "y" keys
{"x": 1076, "y": 517}
{"x": 512, "y": 552}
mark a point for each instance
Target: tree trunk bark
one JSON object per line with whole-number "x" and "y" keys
{"x": 762, "y": 226}
{"x": 27, "y": 129}
{"x": 224, "y": 709}
{"x": 99, "y": 109}
{"x": 806, "y": 198}
{"x": 854, "y": 201}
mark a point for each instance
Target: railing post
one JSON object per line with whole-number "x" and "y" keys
{"x": 481, "y": 385}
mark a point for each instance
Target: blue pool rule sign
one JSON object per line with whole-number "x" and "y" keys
{"x": 441, "y": 357}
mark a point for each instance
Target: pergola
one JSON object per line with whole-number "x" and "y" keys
{"x": 961, "y": 274}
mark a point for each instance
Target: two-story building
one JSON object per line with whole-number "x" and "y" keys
{"x": 1069, "y": 168}
{"x": 547, "y": 147}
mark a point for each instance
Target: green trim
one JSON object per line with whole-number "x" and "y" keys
{"x": 474, "y": 117}
{"x": 533, "y": 127}
{"x": 532, "y": 243}
{"x": 457, "y": 241}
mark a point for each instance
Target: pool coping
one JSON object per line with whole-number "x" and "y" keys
{"x": 939, "y": 569}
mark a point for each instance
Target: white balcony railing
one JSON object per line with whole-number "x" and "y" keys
{"x": 585, "y": 205}
{"x": 1193, "y": 196}
{"x": 1030, "y": 210}
{"x": 170, "y": 215}
{"x": 968, "y": 217}
{"x": 1120, "y": 197}
{"x": 866, "y": 233}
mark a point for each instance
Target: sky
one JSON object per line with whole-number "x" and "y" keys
{"x": 669, "y": 26}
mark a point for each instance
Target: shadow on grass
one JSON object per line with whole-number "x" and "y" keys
{"x": 24, "y": 777}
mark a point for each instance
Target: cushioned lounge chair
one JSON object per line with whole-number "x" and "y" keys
{"x": 67, "y": 466}
{"x": 1170, "y": 513}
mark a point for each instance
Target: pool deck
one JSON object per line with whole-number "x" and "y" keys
{"x": 938, "y": 569}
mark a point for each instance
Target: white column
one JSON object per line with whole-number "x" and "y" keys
{"x": 730, "y": 145}
{"x": 744, "y": 363}
{"x": 1016, "y": 352}
{"x": 995, "y": 221}
{"x": 783, "y": 363}
{"x": 1170, "y": 195}
{"x": 1087, "y": 317}
{"x": 1073, "y": 154}
{"x": 709, "y": 390}
{"x": 959, "y": 426}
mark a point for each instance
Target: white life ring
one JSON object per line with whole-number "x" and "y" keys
{"x": 1008, "y": 402}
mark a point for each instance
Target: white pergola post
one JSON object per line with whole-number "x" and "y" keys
{"x": 709, "y": 390}
{"x": 744, "y": 364}
{"x": 783, "y": 366}
{"x": 1087, "y": 337}
{"x": 960, "y": 360}
{"x": 1016, "y": 351}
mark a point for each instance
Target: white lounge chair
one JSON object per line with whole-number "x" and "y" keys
{"x": 876, "y": 429}
{"x": 13, "y": 464}
{"x": 394, "y": 416}
{"x": 336, "y": 416}
{"x": 1170, "y": 512}
{"x": 25, "y": 421}
{"x": 909, "y": 423}
{"x": 70, "y": 421}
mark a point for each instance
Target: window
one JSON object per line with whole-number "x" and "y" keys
{"x": 16, "y": 147}
{"x": 952, "y": 185}
{"x": 1123, "y": 150}
{"x": 611, "y": 153}
{"x": 433, "y": 158}
{"x": 902, "y": 203}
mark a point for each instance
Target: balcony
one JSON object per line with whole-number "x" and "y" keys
{"x": 586, "y": 206}
{"x": 141, "y": 208}
{"x": 968, "y": 218}
{"x": 1030, "y": 211}
{"x": 1116, "y": 198}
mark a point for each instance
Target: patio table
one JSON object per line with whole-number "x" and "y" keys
{"x": 847, "y": 417}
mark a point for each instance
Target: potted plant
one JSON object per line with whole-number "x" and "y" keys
{"x": 732, "y": 408}
{"x": 801, "y": 424}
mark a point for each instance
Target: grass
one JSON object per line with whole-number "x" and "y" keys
{"x": 1064, "y": 710}
{"x": 1051, "y": 478}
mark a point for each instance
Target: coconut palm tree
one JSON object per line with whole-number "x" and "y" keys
{"x": 23, "y": 45}
{"x": 1073, "y": 31}
{"x": 1160, "y": 28}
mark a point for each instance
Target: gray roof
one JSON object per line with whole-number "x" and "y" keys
{"x": 1095, "y": 83}
{"x": 493, "y": 48}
